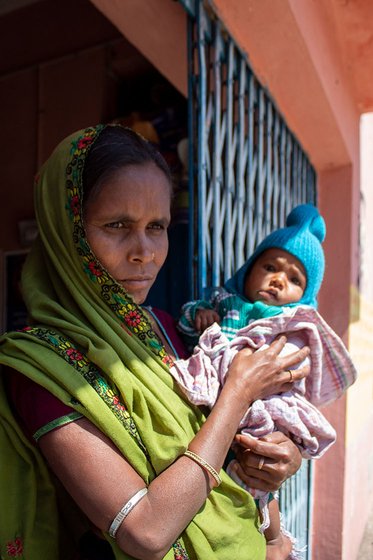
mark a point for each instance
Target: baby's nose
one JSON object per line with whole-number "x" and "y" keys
{"x": 278, "y": 279}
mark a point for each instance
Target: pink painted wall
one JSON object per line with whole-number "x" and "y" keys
{"x": 157, "y": 30}
{"x": 336, "y": 193}
{"x": 278, "y": 37}
{"x": 328, "y": 519}
{"x": 330, "y": 471}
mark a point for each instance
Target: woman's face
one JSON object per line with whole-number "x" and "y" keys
{"x": 126, "y": 225}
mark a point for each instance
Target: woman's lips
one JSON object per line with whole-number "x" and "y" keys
{"x": 137, "y": 281}
{"x": 137, "y": 287}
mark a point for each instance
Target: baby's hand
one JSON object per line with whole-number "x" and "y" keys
{"x": 205, "y": 318}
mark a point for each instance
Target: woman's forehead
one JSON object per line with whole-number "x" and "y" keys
{"x": 133, "y": 189}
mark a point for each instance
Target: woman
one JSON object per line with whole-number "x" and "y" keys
{"x": 106, "y": 415}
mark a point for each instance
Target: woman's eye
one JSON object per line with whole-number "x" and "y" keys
{"x": 115, "y": 225}
{"x": 157, "y": 227}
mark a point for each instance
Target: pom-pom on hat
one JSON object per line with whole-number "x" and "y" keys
{"x": 302, "y": 237}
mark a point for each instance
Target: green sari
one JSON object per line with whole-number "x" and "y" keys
{"x": 93, "y": 348}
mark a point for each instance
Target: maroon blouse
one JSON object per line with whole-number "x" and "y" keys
{"x": 35, "y": 407}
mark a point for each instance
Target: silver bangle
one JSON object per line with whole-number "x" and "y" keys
{"x": 122, "y": 514}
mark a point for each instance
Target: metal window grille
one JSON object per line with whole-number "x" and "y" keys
{"x": 247, "y": 171}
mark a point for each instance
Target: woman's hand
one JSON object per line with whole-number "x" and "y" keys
{"x": 281, "y": 458}
{"x": 262, "y": 373}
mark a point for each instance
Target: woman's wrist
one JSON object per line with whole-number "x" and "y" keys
{"x": 238, "y": 399}
{"x": 215, "y": 437}
{"x": 205, "y": 465}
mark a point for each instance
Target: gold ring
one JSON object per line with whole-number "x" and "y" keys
{"x": 291, "y": 375}
{"x": 261, "y": 463}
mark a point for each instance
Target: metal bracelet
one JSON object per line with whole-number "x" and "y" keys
{"x": 122, "y": 514}
{"x": 205, "y": 465}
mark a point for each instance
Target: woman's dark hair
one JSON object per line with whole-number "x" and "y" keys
{"x": 115, "y": 148}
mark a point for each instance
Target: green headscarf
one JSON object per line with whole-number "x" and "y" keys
{"x": 93, "y": 348}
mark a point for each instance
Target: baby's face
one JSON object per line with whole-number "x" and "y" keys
{"x": 276, "y": 278}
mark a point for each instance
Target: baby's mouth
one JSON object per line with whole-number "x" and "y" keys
{"x": 268, "y": 295}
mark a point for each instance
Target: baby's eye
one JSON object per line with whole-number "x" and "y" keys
{"x": 269, "y": 268}
{"x": 296, "y": 281}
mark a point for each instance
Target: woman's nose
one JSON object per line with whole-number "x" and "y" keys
{"x": 140, "y": 251}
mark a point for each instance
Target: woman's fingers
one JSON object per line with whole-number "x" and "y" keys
{"x": 291, "y": 359}
{"x": 295, "y": 357}
{"x": 290, "y": 376}
{"x": 278, "y": 457}
{"x": 278, "y": 344}
{"x": 254, "y": 478}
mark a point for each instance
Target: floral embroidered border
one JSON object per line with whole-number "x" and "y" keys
{"x": 91, "y": 373}
{"x": 132, "y": 318}
{"x": 13, "y": 549}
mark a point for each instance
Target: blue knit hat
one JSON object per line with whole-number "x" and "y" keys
{"x": 302, "y": 237}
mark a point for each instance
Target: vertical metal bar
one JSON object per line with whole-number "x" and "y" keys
{"x": 252, "y": 161}
{"x": 283, "y": 175}
{"x": 295, "y": 174}
{"x": 216, "y": 169}
{"x": 268, "y": 165}
{"x": 289, "y": 179}
{"x": 189, "y": 6}
{"x": 228, "y": 163}
{"x": 310, "y": 482}
{"x": 275, "y": 176}
{"x": 201, "y": 171}
{"x": 261, "y": 173}
{"x": 240, "y": 166}
{"x": 191, "y": 160}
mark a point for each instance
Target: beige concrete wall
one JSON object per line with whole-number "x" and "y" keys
{"x": 366, "y": 284}
{"x": 359, "y": 428}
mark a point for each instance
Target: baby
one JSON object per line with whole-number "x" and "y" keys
{"x": 274, "y": 292}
